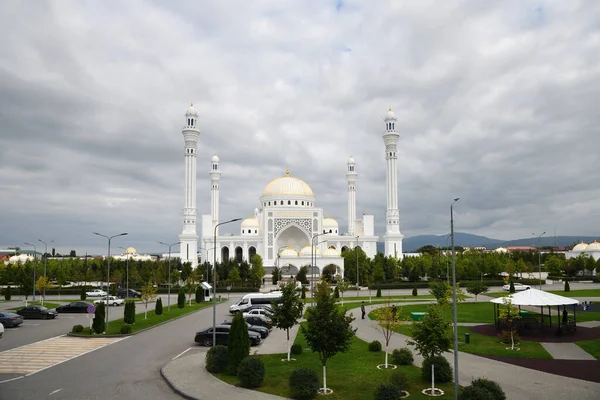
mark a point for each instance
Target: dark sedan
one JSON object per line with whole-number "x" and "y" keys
{"x": 222, "y": 334}
{"x": 259, "y": 320}
{"x": 38, "y": 312}
{"x": 9, "y": 319}
{"x": 264, "y": 332}
{"x": 75, "y": 307}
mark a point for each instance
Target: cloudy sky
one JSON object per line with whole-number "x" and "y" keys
{"x": 497, "y": 103}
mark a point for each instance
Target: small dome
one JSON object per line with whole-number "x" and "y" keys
{"x": 306, "y": 251}
{"x": 501, "y": 250}
{"x": 215, "y": 159}
{"x": 331, "y": 253}
{"x": 593, "y": 246}
{"x": 250, "y": 222}
{"x": 329, "y": 223}
{"x": 131, "y": 250}
{"x": 191, "y": 111}
{"x": 351, "y": 160}
{"x": 580, "y": 247}
{"x": 390, "y": 114}
{"x": 289, "y": 252}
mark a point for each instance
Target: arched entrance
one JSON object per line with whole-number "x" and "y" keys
{"x": 293, "y": 237}
{"x": 344, "y": 248}
{"x": 224, "y": 254}
{"x": 239, "y": 254}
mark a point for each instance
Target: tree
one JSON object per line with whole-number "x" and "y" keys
{"x": 440, "y": 291}
{"x": 275, "y": 275}
{"x": 181, "y": 298}
{"x": 234, "y": 275}
{"x": 199, "y": 294}
{"x": 98, "y": 324}
{"x": 42, "y": 284}
{"x": 301, "y": 275}
{"x": 257, "y": 271}
{"x": 343, "y": 285}
{"x": 158, "y": 309}
{"x": 190, "y": 288}
{"x": 433, "y": 335}
{"x": 148, "y": 295}
{"x": 329, "y": 272}
{"x": 287, "y": 313}
{"x": 508, "y": 316}
{"x": 388, "y": 319}
{"x": 238, "y": 343}
{"x": 328, "y": 329}
{"x": 476, "y": 288}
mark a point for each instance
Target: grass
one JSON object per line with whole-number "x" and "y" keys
{"x": 466, "y": 312}
{"x": 352, "y": 375}
{"x": 114, "y": 327}
{"x": 591, "y": 346}
{"x": 396, "y": 298}
{"x": 572, "y": 293}
{"x": 46, "y": 304}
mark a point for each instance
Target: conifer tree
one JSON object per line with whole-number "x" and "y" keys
{"x": 158, "y": 309}
{"x": 238, "y": 343}
{"x": 181, "y": 298}
{"x": 98, "y": 325}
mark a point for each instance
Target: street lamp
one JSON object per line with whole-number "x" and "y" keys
{"x": 34, "y": 266}
{"x": 313, "y": 256}
{"x": 357, "y": 295}
{"x": 454, "y": 319}
{"x": 169, "y": 278}
{"x": 108, "y": 272}
{"x": 45, "y": 264}
{"x": 539, "y": 257}
{"x": 214, "y": 341}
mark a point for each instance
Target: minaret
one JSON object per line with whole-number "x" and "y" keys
{"x": 351, "y": 178}
{"x": 393, "y": 237}
{"x": 188, "y": 237}
{"x": 215, "y": 177}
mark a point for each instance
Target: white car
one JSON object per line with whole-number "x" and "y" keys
{"x": 1, "y": 331}
{"x": 112, "y": 301}
{"x": 257, "y": 311}
{"x": 96, "y": 293}
{"x": 518, "y": 287}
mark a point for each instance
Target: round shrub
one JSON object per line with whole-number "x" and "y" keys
{"x": 216, "y": 359}
{"x": 125, "y": 329}
{"x": 400, "y": 380}
{"x": 296, "y": 349}
{"x": 304, "y": 384}
{"x": 386, "y": 391}
{"x": 251, "y": 372}
{"x": 8, "y": 293}
{"x": 475, "y": 393}
{"x": 77, "y": 329}
{"x": 402, "y": 356}
{"x": 378, "y": 292}
{"x": 375, "y": 345}
{"x": 414, "y": 291}
{"x": 491, "y": 387}
{"x": 443, "y": 371}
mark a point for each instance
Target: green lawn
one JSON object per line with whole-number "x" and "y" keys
{"x": 465, "y": 312}
{"x": 352, "y": 375}
{"x": 394, "y": 298}
{"x": 591, "y": 346}
{"x": 47, "y": 304}
{"x": 572, "y": 293}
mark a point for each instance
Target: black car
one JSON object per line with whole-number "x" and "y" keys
{"x": 259, "y": 320}
{"x": 125, "y": 293}
{"x": 222, "y": 334}
{"x": 75, "y": 307}
{"x": 9, "y": 319}
{"x": 264, "y": 332}
{"x": 39, "y": 312}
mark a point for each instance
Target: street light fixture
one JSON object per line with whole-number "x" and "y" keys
{"x": 45, "y": 264}
{"x": 214, "y": 341}
{"x": 539, "y": 257}
{"x": 313, "y": 260}
{"x": 454, "y": 318}
{"x": 34, "y": 266}
{"x": 169, "y": 277}
{"x": 109, "y": 238}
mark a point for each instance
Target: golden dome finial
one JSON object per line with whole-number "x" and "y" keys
{"x": 390, "y": 109}
{"x": 191, "y": 104}
{"x": 287, "y": 172}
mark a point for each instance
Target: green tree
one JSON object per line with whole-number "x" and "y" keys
{"x": 301, "y": 275}
{"x": 287, "y": 313}
{"x": 158, "y": 309}
{"x": 343, "y": 285}
{"x": 148, "y": 295}
{"x": 388, "y": 319}
{"x": 199, "y": 294}
{"x": 234, "y": 275}
{"x": 476, "y": 288}
{"x": 42, "y": 284}
{"x": 433, "y": 335}
{"x": 190, "y": 289}
{"x": 440, "y": 291}
{"x": 275, "y": 275}
{"x": 329, "y": 272}
{"x": 257, "y": 272}
{"x": 98, "y": 324}
{"x": 328, "y": 329}
{"x": 238, "y": 343}
{"x": 508, "y": 316}
{"x": 181, "y": 298}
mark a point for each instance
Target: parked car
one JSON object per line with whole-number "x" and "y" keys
{"x": 39, "y": 312}
{"x": 222, "y": 334}
{"x": 75, "y": 307}
{"x": 264, "y": 332}
{"x": 259, "y": 320}
{"x": 96, "y": 293}
{"x": 112, "y": 301}
{"x": 518, "y": 287}
{"x": 9, "y": 319}
{"x": 124, "y": 294}
{"x": 258, "y": 311}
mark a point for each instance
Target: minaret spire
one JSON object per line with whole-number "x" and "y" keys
{"x": 215, "y": 177}
{"x": 351, "y": 178}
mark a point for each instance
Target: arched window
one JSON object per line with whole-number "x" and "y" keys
{"x": 239, "y": 254}
{"x": 269, "y": 203}
{"x": 251, "y": 253}
{"x": 330, "y": 231}
{"x": 296, "y": 202}
{"x": 242, "y": 231}
{"x": 281, "y": 202}
{"x": 224, "y": 253}
{"x": 289, "y": 203}
{"x": 302, "y": 202}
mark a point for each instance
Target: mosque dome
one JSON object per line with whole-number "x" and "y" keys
{"x": 250, "y": 222}
{"x": 390, "y": 114}
{"x": 351, "y": 160}
{"x": 191, "y": 111}
{"x": 306, "y": 251}
{"x": 288, "y": 185}
{"x": 501, "y": 250}
{"x": 131, "y": 250}
{"x": 329, "y": 223}
{"x": 580, "y": 247}
{"x": 215, "y": 159}
{"x": 593, "y": 246}
{"x": 331, "y": 253}
{"x": 289, "y": 252}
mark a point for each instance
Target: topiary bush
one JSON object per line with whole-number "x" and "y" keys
{"x": 443, "y": 371}
{"x": 83, "y": 294}
{"x": 414, "y": 292}
{"x": 8, "y": 293}
{"x": 158, "y": 309}
{"x": 475, "y": 393}
{"x": 567, "y": 287}
{"x": 98, "y": 325}
{"x": 216, "y": 359}
{"x": 304, "y": 384}
{"x": 251, "y": 372}
{"x": 491, "y": 386}
{"x": 402, "y": 356}
{"x": 387, "y": 391}
{"x": 400, "y": 380}
{"x": 129, "y": 313}
{"x": 375, "y": 345}
{"x": 296, "y": 348}
{"x": 125, "y": 329}
{"x": 77, "y": 329}
{"x": 378, "y": 292}
{"x": 238, "y": 343}
{"x": 181, "y": 298}
{"x": 199, "y": 294}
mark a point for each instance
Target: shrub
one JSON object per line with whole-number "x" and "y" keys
{"x": 443, "y": 371}
{"x": 83, "y": 294}
{"x": 475, "y": 393}
{"x": 402, "y": 356}
{"x": 567, "y": 287}
{"x": 199, "y": 294}
{"x": 414, "y": 292}
{"x": 387, "y": 391}
{"x": 238, "y": 343}
{"x": 181, "y": 298}
{"x": 505, "y": 336}
{"x": 378, "y": 292}
{"x": 400, "y": 380}
{"x": 375, "y": 345}
{"x": 77, "y": 329}
{"x": 296, "y": 348}
{"x": 129, "y": 313}
{"x": 8, "y": 293}
{"x": 99, "y": 324}
{"x": 158, "y": 309}
{"x": 491, "y": 386}
{"x": 251, "y": 372}
{"x": 511, "y": 288}
{"x": 303, "y": 294}
{"x": 216, "y": 359}
{"x": 336, "y": 293}
{"x": 125, "y": 329}
{"x": 304, "y": 384}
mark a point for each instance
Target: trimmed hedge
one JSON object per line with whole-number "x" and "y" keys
{"x": 251, "y": 372}
{"x": 304, "y": 384}
{"x": 296, "y": 349}
{"x": 77, "y": 329}
{"x": 442, "y": 369}
{"x": 491, "y": 386}
{"x": 216, "y": 359}
{"x": 375, "y": 346}
{"x": 425, "y": 285}
{"x": 402, "y": 356}
{"x": 386, "y": 391}
{"x": 125, "y": 329}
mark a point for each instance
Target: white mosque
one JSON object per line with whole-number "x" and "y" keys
{"x": 287, "y": 229}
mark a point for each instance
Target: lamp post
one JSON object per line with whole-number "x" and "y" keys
{"x": 45, "y": 264}
{"x": 169, "y": 275}
{"x": 454, "y": 319}
{"x": 539, "y": 256}
{"x": 357, "y": 295}
{"x": 109, "y": 238}
{"x": 214, "y": 341}
{"x": 34, "y": 266}
{"x": 313, "y": 260}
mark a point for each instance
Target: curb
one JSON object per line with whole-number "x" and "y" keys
{"x": 175, "y": 388}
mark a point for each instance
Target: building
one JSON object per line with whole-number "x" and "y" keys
{"x": 592, "y": 249}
